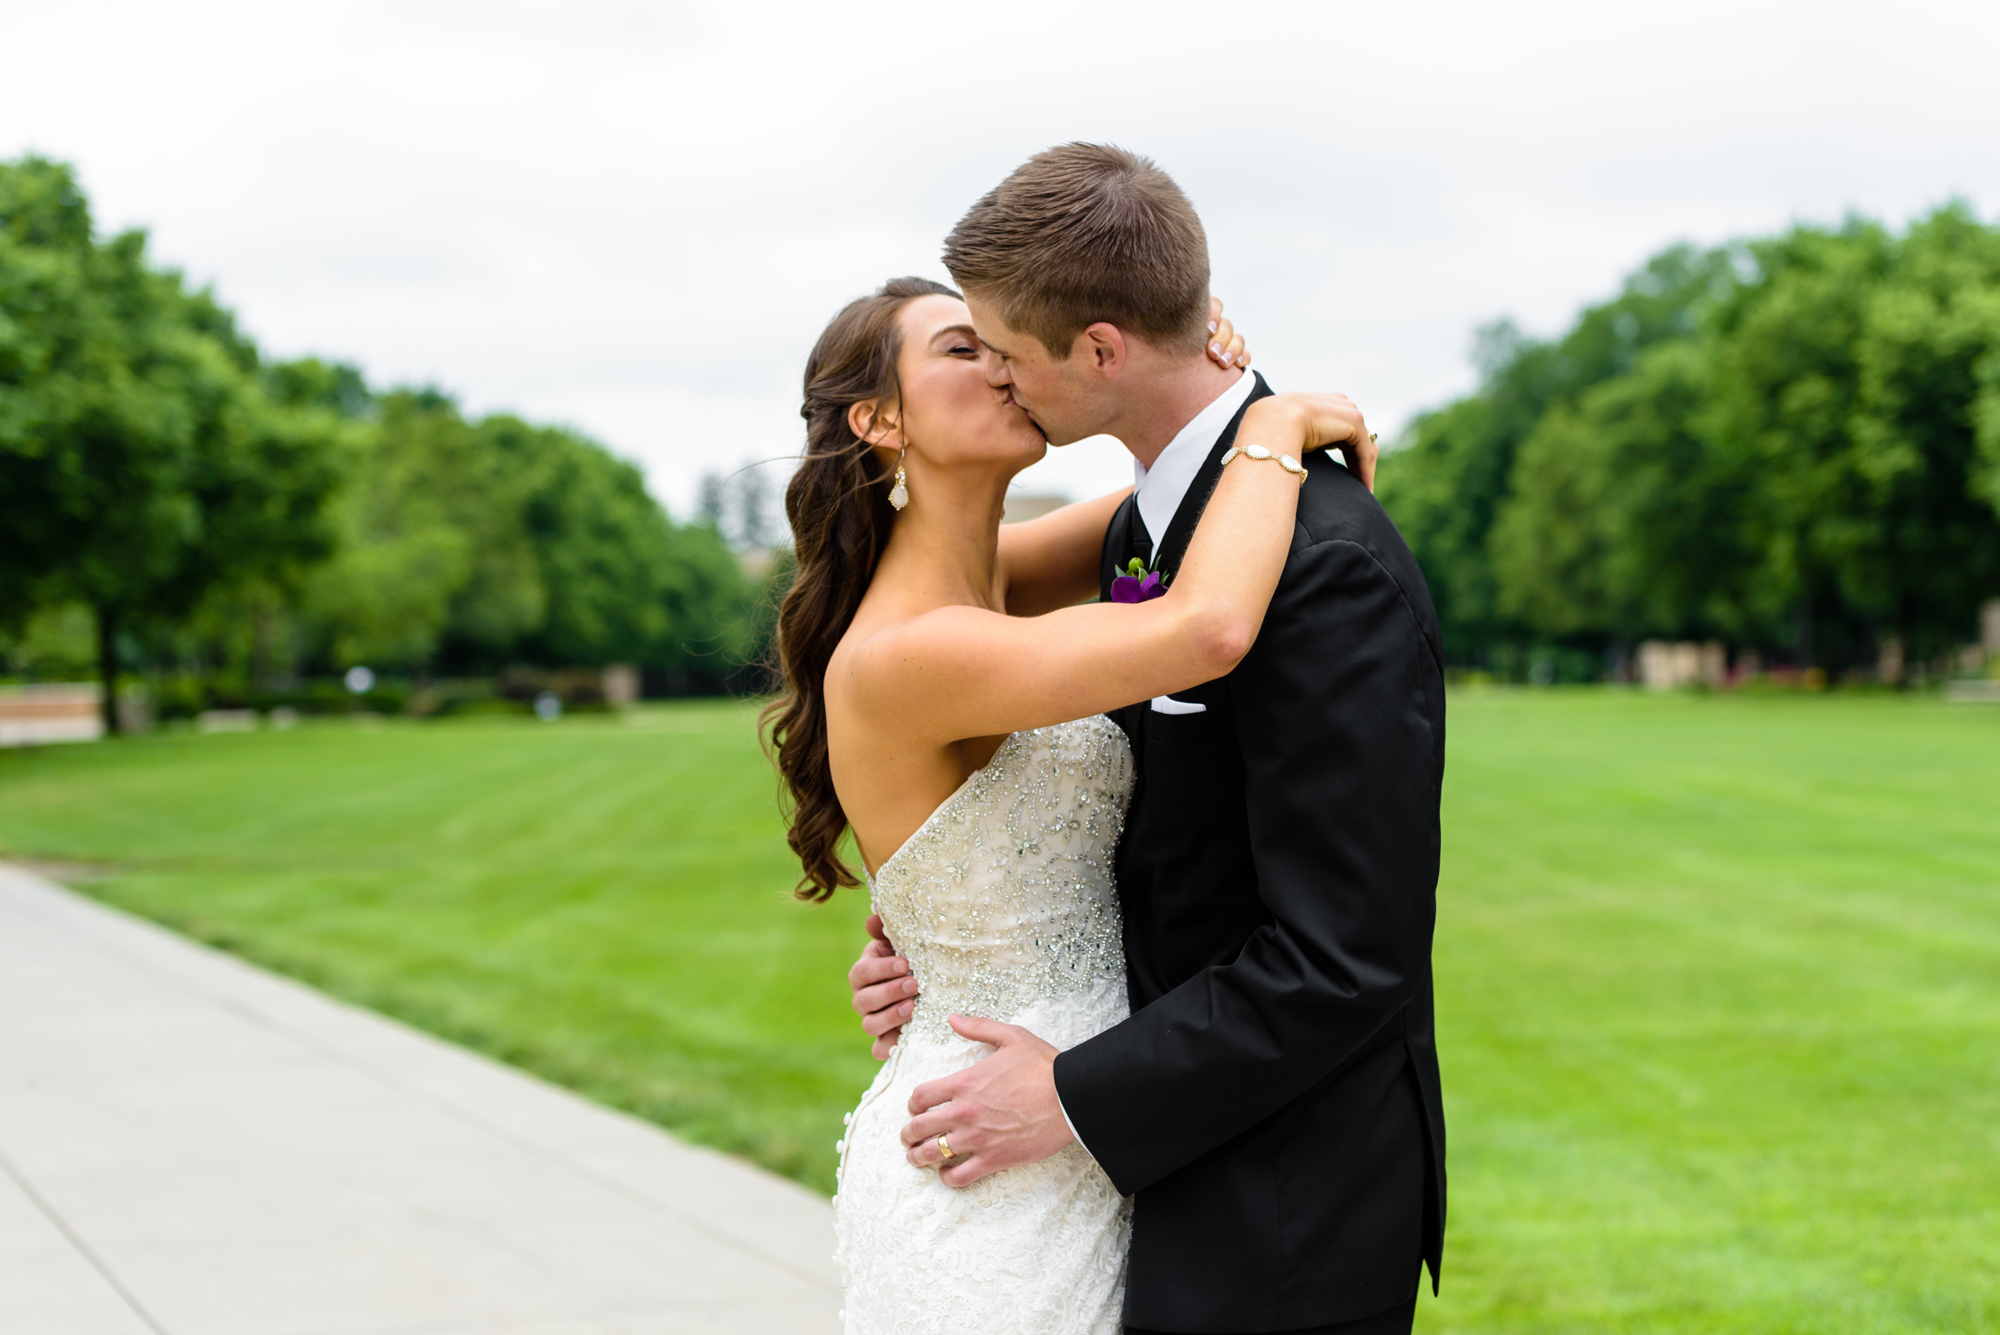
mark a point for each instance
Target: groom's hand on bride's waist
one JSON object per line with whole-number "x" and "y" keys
{"x": 884, "y": 991}
{"x": 998, "y": 1113}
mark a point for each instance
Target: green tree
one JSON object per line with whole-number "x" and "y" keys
{"x": 1853, "y": 371}
{"x": 626, "y": 583}
{"x": 142, "y": 462}
{"x": 1447, "y": 487}
{"x": 431, "y": 543}
{"x": 1626, "y": 519}
{"x": 467, "y": 546}
{"x": 1792, "y": 443}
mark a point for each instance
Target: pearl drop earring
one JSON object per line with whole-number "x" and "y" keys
{"x": 899, "y": 495}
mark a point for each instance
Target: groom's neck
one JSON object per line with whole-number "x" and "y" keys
{"x": 1161, "y": 395}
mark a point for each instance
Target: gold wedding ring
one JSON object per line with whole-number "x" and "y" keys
{"x": 945, "y": 1149}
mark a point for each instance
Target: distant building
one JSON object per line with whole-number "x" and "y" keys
{"x": 1021, "y": 505}
{"x": 1664, "y": 665}
{"x": 621, "y": 685}
{"x": 33, "y": 715}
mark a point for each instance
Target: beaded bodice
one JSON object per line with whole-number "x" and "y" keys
{"x": 1004, "y": 903}
{"x": 1004, "y": 898}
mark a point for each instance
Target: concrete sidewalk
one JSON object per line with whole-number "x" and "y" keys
{"x": 192, "y": 1146}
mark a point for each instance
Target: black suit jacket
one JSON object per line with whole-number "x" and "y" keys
{"x": 1274, "y": 1100}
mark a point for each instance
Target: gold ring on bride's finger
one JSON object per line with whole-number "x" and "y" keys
{"x": 945, "y": 1149}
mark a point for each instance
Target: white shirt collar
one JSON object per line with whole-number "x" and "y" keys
{"x": 1163, "y": 487}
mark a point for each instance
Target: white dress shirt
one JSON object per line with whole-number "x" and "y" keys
{"x": 1164, "y": 486}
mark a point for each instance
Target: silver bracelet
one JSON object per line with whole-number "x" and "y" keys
{"x": 1285, "y": 461}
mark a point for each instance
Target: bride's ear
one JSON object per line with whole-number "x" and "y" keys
{"x": 871, "y": 422}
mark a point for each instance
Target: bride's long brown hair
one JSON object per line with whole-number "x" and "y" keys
{"x": 841, "y": 520}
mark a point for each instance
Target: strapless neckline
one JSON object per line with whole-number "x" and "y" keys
{"x": 939, "y": 811}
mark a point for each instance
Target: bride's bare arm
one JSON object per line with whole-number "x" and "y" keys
{"x": 1052, "y": 561}
{"x": 964, "y": 672}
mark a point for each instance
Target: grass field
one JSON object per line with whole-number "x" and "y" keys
{"x": 1719, "y": 978}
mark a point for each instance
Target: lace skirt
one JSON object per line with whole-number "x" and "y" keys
{"x": 1035, "y": 1250}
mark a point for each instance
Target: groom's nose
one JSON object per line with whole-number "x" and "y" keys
{"x": 997, "y": 372}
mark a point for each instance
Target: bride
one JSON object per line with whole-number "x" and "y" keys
{"x": 946, "y": 687}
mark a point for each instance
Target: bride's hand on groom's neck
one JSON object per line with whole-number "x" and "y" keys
{"x": 1315, "y": 421}
{"x": 1225, "y": 346}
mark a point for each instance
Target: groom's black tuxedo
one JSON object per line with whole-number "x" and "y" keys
{"x": 1273, "y": 1101}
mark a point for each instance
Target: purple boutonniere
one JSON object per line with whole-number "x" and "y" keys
{"x": 1137, "y": 584}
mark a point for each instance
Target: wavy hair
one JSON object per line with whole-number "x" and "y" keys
{"x": 841, "y": 520}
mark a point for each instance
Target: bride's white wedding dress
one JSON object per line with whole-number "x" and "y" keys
{"x": 1004, "y": 904}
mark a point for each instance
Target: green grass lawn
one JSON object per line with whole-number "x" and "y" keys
{"x": 1718, "y": 978}
{"x": 606, "y": 903}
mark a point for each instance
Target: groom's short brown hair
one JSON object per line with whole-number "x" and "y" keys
{"x": 1083, "y": 233}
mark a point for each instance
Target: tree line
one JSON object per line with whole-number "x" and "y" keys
{"x": 227, "y": 518}
{"x": 1789, "y": 444}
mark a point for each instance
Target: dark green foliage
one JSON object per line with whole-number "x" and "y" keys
{"x": 312, "y": 383}
{"x": 471, "y": 545}
{"x": 1852, "y": 373}
{"x": 240, "y": 523}
{"x": 625, "y": 584}
{"x": 1621, "y": 522}
{"x": 1447, "y": 488}
{"x": 1791, "y": 445}
{"x": 143, "y": 465}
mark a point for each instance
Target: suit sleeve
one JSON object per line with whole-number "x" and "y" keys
{"x": 1337, "y": 709}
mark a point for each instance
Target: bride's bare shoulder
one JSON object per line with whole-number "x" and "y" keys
{"x": 888, "y": 654}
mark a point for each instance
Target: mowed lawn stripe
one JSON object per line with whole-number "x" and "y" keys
{"x": 606, "y": 903}
{"x": 1720, "y": 1014}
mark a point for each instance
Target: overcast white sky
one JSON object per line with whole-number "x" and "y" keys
{"x": 634, "y": 218}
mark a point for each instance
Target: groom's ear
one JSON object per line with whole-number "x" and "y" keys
{"x": 1103, "y": 347}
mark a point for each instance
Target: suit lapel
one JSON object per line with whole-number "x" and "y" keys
{"x": 1119, "y": 544}
{"x": 1118, "y": 549}
{"x": 1181, "y": 530}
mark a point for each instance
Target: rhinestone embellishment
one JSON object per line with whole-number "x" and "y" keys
{"x": 1004, "y": 897}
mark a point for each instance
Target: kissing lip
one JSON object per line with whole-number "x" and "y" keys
{"x": 1013, "y": 402}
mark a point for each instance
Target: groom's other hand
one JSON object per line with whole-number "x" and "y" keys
{"x": 998, "y": 1113}
{"x": 884, "y": 991}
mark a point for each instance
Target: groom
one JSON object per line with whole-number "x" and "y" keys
{"x": 1273, "y": 1101}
